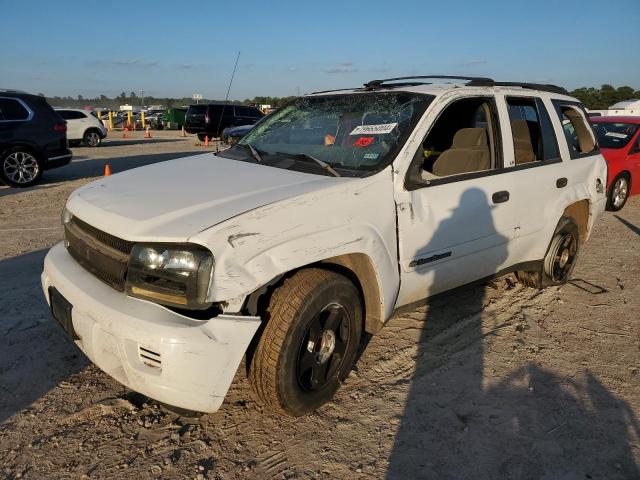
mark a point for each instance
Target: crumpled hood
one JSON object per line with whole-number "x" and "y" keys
{"x": 172, "y": 201}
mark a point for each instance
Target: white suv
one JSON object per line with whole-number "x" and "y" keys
{"x": 314, "y": 228}
{"x": 82, "y": 126}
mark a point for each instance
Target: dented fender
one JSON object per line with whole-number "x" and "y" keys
{"x": 349, "y": 216}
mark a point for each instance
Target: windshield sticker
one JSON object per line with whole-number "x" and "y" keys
{"x": 379, "y": 129}
{"x": 371, "y": 156}
{"x": 616, "y": 135}
{"x": 364, "y": 142}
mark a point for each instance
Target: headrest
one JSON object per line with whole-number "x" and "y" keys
{"x": 520, "y": 130}
{"x": 470, "y": 138}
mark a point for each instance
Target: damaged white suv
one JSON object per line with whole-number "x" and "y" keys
{"x": 337, "y": 210}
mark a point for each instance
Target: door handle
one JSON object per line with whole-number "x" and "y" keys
{"x": 561, "y": 182}
{"x": 500, "y": 197}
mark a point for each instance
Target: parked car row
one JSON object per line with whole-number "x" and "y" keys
{"x": 212, "y": 119}
{"x": 31, "y": 135}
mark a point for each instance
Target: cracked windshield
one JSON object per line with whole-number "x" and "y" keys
{"x": 353, "y": 134}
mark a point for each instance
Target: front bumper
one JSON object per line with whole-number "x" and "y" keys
{"x": 148, "y": 348}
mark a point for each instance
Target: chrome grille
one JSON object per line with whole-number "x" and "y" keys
{"x": 102, "y": 254}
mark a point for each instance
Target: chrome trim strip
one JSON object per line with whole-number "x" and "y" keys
{"x": 59, "y": 157}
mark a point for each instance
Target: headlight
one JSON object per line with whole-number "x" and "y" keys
{"x": 176, "y": 275}
{"x": 65, "y": 216}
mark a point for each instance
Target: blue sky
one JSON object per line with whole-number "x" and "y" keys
{"x": 179, "y": 48}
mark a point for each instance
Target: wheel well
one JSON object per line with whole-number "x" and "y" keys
{"x": 355, "y": 266}
{"x": 626, "y": 173}
{"x": 581, "y": 214}
{"x": 26, "y": 146}
{"x": 91, "y": 129}
{"x": 358, "y": 267}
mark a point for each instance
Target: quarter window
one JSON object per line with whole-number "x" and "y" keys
{"x": 462, "y": 140}
{"x": 12, "y": 110}
{"x": 580, "y": 138}
{"x": 71, "y": 114}
{"x": 531, "y": 130}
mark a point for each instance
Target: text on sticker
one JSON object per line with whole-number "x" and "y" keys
{"x": 616, "y": 135}
{"x": 379, "y": 129}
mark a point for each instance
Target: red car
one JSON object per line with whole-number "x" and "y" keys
{"x": 619, "y": 140}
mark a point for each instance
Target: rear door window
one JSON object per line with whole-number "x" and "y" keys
{"x": 577, "y": 130}
{"x": 71, "y": 114}
{"x": 533, "y": 137}
{"x": 12, "y": 110}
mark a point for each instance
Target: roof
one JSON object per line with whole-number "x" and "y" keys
{"x": 616, "y": 119}
{"x": 438, "y": 84}
{"x": 632, "y": 104}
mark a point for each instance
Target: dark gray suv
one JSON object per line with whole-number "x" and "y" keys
{"x": 33, "y": 138}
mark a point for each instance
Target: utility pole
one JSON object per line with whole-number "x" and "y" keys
{"x": 142, "y": 95}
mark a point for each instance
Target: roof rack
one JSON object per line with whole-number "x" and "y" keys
{"x": 470, "y": 82}
{"x": 11, "y": 90}
{"x": 543, "y": 87}
{"x": 379, "y": 83}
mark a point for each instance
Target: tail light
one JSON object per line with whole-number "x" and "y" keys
{"x": 60, "y": 127}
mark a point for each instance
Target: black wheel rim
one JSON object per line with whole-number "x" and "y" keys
{"x": 563, "y": 254}
{"x": 323, "y": 347}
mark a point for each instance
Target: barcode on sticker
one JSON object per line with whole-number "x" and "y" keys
{"x": 379, "y": 129}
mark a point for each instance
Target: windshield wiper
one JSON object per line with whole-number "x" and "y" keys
{"x": 254, "y": 153}
{"x": 306, "y": 156}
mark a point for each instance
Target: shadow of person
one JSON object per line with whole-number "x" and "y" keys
{"x": 453, "y": 324}
{"x": 533, "y": 424}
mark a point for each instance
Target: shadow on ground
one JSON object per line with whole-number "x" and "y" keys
{"x": 533, "y": 424}
{"x": 35, "y": 353}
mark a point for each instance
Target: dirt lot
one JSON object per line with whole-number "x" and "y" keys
{"x": 489, "y": 381}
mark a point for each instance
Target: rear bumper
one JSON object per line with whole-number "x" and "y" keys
{"x": 58, "y": 160}
{"x": 146, "y": 347}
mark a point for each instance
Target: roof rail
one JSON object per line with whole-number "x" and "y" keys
{"x": 543, "y": 87}
{"x": 11, "y": 90}
{"x": 378, "y": 83}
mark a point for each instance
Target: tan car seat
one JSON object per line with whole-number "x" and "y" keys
{"x": 468, "y": 153}
{"x": 522, "y": 142}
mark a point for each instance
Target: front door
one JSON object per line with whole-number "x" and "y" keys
{"x": 457, "y": 224}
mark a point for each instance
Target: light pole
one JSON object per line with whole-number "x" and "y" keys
{"x": 142, "y": 95}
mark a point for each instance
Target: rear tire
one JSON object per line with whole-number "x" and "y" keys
{"x": 309, "y": 343}
{"x": 91, "y": 138}
{"x": 20, "y": 167}
{"x": 201, "y": 136}
{"x": 560, "y": 259}
{"x": 618, "y": 193}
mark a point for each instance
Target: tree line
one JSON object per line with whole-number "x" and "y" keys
{"x": 103, "y": 101}
{"x": 593, "y": 98}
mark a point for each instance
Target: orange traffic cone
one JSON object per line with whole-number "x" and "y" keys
{"x": 147, "y": 133}
{"x": 107, "y": 170}
{"x": 206, "y": 140}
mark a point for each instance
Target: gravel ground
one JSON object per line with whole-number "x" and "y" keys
{"x": 489, "y": 381}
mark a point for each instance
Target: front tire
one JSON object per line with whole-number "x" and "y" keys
{"x": 618, "y": 193}
{"x": 20, "y": 168}
{"x": 309, "y": 343}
